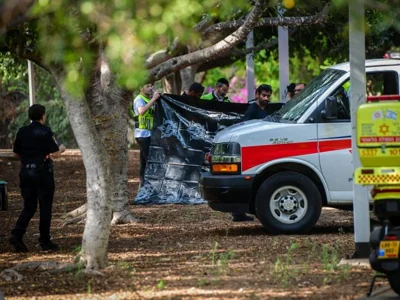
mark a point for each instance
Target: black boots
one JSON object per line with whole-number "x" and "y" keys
{"x": 18, "y": 244}
{"x": 241, "y": 217}
{"x": 48, "y": 245}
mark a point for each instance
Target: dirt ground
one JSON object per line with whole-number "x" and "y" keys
{"x": 180, "y": 252}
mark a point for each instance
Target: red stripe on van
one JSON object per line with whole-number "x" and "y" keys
{"x": 334, "y": 145}
{"x": 255, "y": 155}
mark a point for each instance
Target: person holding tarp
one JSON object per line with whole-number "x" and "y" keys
{"x": 195, "y": 91}
{"x": 257, "y": 108}
{"x": 219, "y": 94}
{"x": 144, "y": 110}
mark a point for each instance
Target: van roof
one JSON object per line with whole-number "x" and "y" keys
{"x": 369, "y": 63}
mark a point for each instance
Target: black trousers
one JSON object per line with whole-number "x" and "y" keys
{"x": 36, "y": 184}
{"x": 144, "y": 144}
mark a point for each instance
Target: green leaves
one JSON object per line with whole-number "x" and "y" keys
{"x": 13, "y": 73}
{"x": 71, "y": 33}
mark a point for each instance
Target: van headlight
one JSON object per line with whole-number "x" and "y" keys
{"x": 225, "y": 158}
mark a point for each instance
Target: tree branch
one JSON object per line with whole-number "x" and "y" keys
{"x": 157, "y": 58}
{"x": 237, "y": 54}
{"x": 264, "y": 45}
{"x": 175, "y": 49}
{"x": 212, "y": 52}
{"x": 204, "y": 23}
{"x": 269, "y": 22}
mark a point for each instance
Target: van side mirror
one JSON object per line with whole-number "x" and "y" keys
{"x": 330, "y": 111}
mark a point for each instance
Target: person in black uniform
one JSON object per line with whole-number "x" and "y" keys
{"x": 33, "y": 146}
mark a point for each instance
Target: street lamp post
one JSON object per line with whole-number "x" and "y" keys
{"x": 250, "y": 66}
{"x": 31, "y": 76}
{"x": 357, "y": 96}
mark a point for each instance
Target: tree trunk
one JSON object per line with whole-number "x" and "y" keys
{"x": 109, "y": 109}
{"x": 172, "y": 84}
{"x": 8, "y": 112}
{"x": 98, "y": 184}
{"x": 5, "y": 141}
{"x": 188, "y": 75}
{"x": 201, "y": 76}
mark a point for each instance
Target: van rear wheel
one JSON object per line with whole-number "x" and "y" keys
{"x": 288, "y": 202}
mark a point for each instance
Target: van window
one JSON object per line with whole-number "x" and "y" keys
{"x": 377, "y": 83}
{"x": 382, "y": 83}
{"x": 295, "y": 108}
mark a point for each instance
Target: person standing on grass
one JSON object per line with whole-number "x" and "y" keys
{"x": 256, "y": 110}
{"x": 144, "y": 110}
{"x": 34, "y": 146}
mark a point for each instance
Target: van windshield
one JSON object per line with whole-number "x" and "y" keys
{"x": 294, "y": 109}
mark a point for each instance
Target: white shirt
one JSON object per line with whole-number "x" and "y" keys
{"x": 139, "y": 102}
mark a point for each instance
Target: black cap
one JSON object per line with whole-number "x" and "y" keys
{"x": 196, "y": 87}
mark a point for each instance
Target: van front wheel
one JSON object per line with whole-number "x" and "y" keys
{"x": 288, "y": 202}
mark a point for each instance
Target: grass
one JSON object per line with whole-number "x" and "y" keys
{"x": 89, "y": 289}
{"x": 161, "y": 285}
{"x": 329, "y": 258}
{"x": 203, "y": 282}
{"x": 283, "y": 268}
{"x": 124, "y": 265}
{"x": 77, "y": 249}
{"x": 330, "y": 264}
{"x": 220, "y": 261}
{"x": 79, "y": 271}
{"x": 324, "y": 257}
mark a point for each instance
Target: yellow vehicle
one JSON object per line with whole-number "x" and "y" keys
{"x": 378, "y": 143}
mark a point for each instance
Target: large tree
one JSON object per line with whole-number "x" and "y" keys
{"x": 88, "y": 43}
{"x": 98, "y": 51}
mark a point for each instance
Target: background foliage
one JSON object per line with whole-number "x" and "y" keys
{"x": 132, "y": 30}
{"x": 14, "y": 77}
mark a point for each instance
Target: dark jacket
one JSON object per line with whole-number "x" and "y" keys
{"x": 34, "y": 143}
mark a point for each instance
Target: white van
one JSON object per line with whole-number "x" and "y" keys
{"x": 285, "y": 168}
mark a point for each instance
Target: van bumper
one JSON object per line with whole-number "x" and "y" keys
{"x": 227, "y": 193}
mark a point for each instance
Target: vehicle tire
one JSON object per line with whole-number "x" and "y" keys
{"x": 288, "y": 202}
{"x": 3, "y": 199}
{"x": 394, "y": 280}
{"x": 376, "y": 237}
